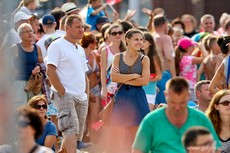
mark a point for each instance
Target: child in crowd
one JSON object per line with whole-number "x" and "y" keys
{"x": 95, "y": 9}
{"x": 185, "y": 62}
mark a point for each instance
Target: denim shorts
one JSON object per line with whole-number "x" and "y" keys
{"x": 96, "y": 91}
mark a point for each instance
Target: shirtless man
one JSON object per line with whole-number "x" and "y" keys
{"x": 212, "y": 61}
{"x": 166, "y": 53}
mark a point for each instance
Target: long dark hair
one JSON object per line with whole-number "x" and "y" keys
{"x": 152, "y": 54}
{"x": 178, "y": 52}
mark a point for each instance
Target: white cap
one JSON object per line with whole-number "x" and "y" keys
{"x": 21, "y": 16}
{"x": 69, "y": 7}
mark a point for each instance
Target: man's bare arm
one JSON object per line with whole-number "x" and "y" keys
{"x": 54, "y": 79}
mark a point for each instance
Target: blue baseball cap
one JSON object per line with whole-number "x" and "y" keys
{"x": 48, "y": 19}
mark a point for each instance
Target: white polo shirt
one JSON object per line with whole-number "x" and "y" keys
{"x": 71, "y": 66}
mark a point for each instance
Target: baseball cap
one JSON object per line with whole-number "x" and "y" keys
{"x": 185, "y": 43}
{"x": 102, "y": 19}
{"x": 21, "y": 16}
{"x": 48, "y": 19}
{"x": 69, "y": 7}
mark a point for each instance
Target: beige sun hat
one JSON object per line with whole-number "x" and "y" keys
{"x": 69, "y": 7}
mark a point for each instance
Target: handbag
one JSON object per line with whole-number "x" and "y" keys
{"x": 34, "y": 83}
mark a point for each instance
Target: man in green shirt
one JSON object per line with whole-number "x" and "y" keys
{"x": 161, "y": 130}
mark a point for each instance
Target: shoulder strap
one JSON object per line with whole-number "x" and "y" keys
{"x": 228, "y": 72}
{"x": 142, "y": 56}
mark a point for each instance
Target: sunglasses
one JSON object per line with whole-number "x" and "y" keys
{"x": 224, "y": 103}
{"x": 23, "y": 123}
{"x": 115, "y": 33}
{"x": 40, "y": 106}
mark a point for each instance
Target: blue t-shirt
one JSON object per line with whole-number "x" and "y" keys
{"x": 92, "y": 19}
{"x": 49, "y": 129}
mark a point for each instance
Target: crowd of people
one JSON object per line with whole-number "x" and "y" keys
{"x": 168, "y": 82}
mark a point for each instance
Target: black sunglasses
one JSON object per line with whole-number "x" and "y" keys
{"x": 23, "y": 123}
{"x": 115, "y": 33}
{"x": 225, "y": 103}
{"x": 40, "y": 106}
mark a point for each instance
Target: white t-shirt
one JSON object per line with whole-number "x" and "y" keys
{"x": 71, "y": 66}
{"x": 41, "y": 42}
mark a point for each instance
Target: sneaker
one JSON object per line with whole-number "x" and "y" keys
{"x": 81, "y": 145}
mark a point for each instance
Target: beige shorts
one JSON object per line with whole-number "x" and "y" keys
{"x": 71, "y": 114}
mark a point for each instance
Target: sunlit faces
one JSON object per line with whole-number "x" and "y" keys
{"x": 145, "y": 45}
{"x": 33, "y": 5}
{"x": 116, "y": 34}
{"x": 97, "y": 3}
{"x": 27, "y": 34}
{"x": 208, "y": 25}
{"x": 136, "y": 41}
{"x": 41, "y": 107}
{"x": 205, "y": 94}
{"x": 224, "y": 105}
{"x": 188, "y": 22}
{"x": 204, "y": 144}
{"x": 75, "y": 31}
{"x": 177, "y": 103}
{"x": 35, "y": 25}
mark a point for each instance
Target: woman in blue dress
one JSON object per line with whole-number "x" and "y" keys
{"x": 130, "y": 70}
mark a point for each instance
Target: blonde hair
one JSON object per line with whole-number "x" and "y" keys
{"x": 212, "y": 113}
{"x": 191, "y": 17}
{"x": 26, "y": 3}
{"x": 34, "y": 100}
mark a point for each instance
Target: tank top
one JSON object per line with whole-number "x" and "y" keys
{"x": 110, "y": 57}
{"x": 25, "y": 62}
{"x": 137, "y": 67}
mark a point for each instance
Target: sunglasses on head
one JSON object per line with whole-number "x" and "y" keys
{"x": 23, "y": 123}
{"x": 40, "y": 106}
{"x": 224, "y": 103}
{"x": 115, "y": 33}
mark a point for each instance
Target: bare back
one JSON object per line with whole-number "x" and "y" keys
{"x": 211, "y": 64}
{"x": 164, "y": 48}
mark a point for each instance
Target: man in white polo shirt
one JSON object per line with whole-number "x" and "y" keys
{"x": 66, "y": 67}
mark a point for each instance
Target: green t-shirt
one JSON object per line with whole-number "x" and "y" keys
{"x": 157, "y": 135}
